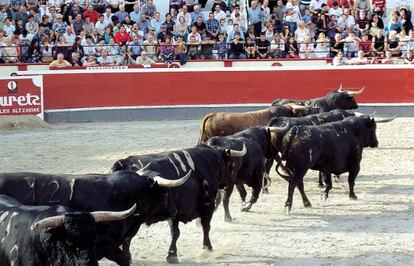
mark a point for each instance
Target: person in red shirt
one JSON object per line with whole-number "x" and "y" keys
{"x": 92, "y": 14}
{"x": 122, "y": 36}
{"x": 379, "y": 6}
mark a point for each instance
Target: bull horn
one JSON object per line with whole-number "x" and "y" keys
{"x": 340, "y": 88}
{"x": 46, "y": 223}
{"x": 234, "y": 153}
{"x": 163, "y": 182}
{"x": 361, "y": 114}
{"x": 355, "y": 92}
{"x": 110, "y": 216}
{"x": 384, "y": 120}
{"x": 142, "y": 170}
{"x": 276, "y": 129}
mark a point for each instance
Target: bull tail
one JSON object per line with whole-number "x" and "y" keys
{"x": 286, "y": 149}
{"x": 203, "y": 135}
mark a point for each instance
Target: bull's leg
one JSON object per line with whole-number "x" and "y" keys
{"x": 205, "y": 223}
{"x": 226, "y": 199}
{"x": 266, "y": 176}
{"x": 351, "y": 181}
{"x": 327, "y": 178}
{"x": 295, "y": 180}
{"x": 255, "y": 196}
{"x": 306, "y": 202}
{"x": 243, "y": 193}
{"x": 127, "y": 242}
{"x": 175, "y": 233}
{"x": 321, "y": 184}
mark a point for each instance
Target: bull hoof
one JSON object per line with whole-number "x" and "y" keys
{"x": 307, "y": 204}
{"x": 321, "y": 186}
{"x": 228, "y": 219}
{"x": 353, "y": 197}
{"x": 172, "y": 258}
{"x": 246, "y": 207}
{"x": 265, "y": 191}
{"x": 209, "y": 248}
{"x": 288, "y": 208}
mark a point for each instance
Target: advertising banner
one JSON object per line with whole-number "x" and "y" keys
{"x": 21, "y": 96}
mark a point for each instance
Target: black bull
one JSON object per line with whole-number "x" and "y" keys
{"x": 248, "y": 169}
{"x": 114, "y": 192}
{"x": 316, "y": 119}
{"x": 332, "y": 148}
{"x": 49, "y": 235}
{"x": 194, "y": 199}
{"x": 337, "y": 99}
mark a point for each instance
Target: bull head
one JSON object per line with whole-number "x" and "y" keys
{"x": 99, "y": 216}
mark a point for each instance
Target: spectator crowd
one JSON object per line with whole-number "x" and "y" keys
{"x": 124, "y": 32}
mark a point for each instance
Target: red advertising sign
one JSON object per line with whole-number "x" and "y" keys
{"x": 21, "y": 96}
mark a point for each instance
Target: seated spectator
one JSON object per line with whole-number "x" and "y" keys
{"x": 362, "y": 25}
{"x": 315, "y": 6}
{"x": 121, "y": 14}
{"x": 156, "y": 22}
{"x": 88, "y": 46}
{"x": 219, "y": 13}
{"x": 388, "y": 59}
{"x": 207, "y": 46}
{"x": 197, "y": 14}
{"x": 410, "y": 43}
{"x": 338, "y": 45}
{"x": 250, "y": 48}
{"x": 362, "y": 6}
{"x": 393, "y": 44}
{"x": 306, "y": 49}
{"x": 277, "y": 46}
{"x": 163, "y": 33}
{"x": 144, "y": 59}
{"x": 335, "y": 10}
{"x": 90, "y": 61}
{"x": 125, "y": 59}
{"x": 104, "y": 59}
{"x": 169, "y": 22}
{"x": 221, "y": 47}
{"x": 407, "y": 24}
{"x": 134, "y": 47}
{"x": 409, "y": 58}
{"x": 63, "y": 46}
{"x": 394, "y": 23}
{"x": 180, "y": 28}
{"x": 339, "y": 59}
{"x": 175, "y": 5}
{"x": 236, "y": 30}
{"x": 322, "y": 46}
{"x": 167, "y": 51}
{"x": 31, "y": 26}
{"x": 186, "y": 15}
{"x": 365, "y": 44}
{"x": 302, "y": 32}
{"x": 88, "y": 27}
{"x": 379, "y": 7}
{"x": 112, "y": 47}
{"x": 194, "y": 33}
{"x": 8, "y": 27}
{"x": 60, "y": 62}
{"x": 77, "y": 24}
{"x": 236, "y": 50}
{"x": 351, "y": 45}
{"x": 59, "y": 26}
{"x": 69, "y": 35}
{"x": 263, "y": 47}
{"x": 346, "y": 20}
{"x": 269, "y": 32}
{"x": 193, "y": 48}
{"x": 212, "y": 26}
{"x": 378, "y": 44}
{"x": 291, "y": 48}
{"x": 150, "y": 46}
{"x": 47, "y": 50}
{"x": 122, "y": 36}
{"x": 403, "y": 41}
{"x": 201, "y": 26}
{"x": 279, "y": 10}
{"x": 90, "y": 13}
{"x": 75, "y": 59}
{"x": 359, "y": 60}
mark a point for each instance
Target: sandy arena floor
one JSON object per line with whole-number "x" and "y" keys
{"x": 378, "y": 229}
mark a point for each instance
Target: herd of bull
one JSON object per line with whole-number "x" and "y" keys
{"x": 80, "y": 219}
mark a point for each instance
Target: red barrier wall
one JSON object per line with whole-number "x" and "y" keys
{"x": 85, "y": 89}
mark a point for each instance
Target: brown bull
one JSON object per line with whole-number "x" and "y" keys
{"x": 224, "y": 124}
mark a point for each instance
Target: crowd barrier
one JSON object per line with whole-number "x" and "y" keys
{"x": 159, "y": 93}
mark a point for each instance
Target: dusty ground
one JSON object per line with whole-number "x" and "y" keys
{"x": 378, "y": 229}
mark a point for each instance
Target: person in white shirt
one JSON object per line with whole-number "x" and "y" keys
{"x": 347, "y": 19}
{"x": 69, "y": 35}
{"x": 105, "y": 59}
{"x": 218, "y": 13}
{"x": 335, "y": 10}
{"x": 194, "y": 33}
{"x": 108, "y": 16}
{"x": 316, "y": 5}
{"x": 293, "y": 15}
{"x": 186, "y": 15}
{"x": 101, "y": 25}
{"x": 360, "y": 59}
{"x": 8, "y": 27}
{"x": 339, "y": 59}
